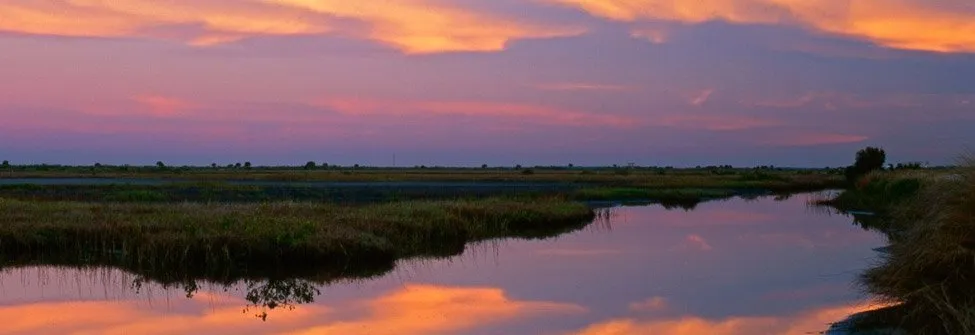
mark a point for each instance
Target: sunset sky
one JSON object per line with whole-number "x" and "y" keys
{"x": 501, "y": 82}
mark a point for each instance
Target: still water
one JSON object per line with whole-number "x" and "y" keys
{"x": 728, "y": 267}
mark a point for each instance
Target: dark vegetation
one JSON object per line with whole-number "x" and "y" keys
{"x": 282, "y": 251}
{"x": 228, "y": 242}
{"x": 286, "y": 231}
{"x": 929, "y": 267}
{"x": 635, "y": 176}
{"x": 867, "y": 160}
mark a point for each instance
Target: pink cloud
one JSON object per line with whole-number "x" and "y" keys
{"x": 579, "y": 252}
{"x": 163, "y": 106}
{"x": 814, "y": 139}
{"x": 654, "y": 304}
{"x": 702, "y": 97}
{"x": 714, "y": 122}
{"x": 514, "y": 112}
{"x": 574, "y": 86}
{"x": 654, "y": 35}
{"x": 698, "y": 242}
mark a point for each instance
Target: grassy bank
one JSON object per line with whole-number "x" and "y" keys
{"x": 929, "y": 270}
{"x": 643, "y": 177}
{"x": 678, "y": 188}
{"x": 226, "y": 242}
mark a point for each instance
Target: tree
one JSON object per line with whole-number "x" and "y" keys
{"x": 247, "y": 165}
{"x": 310, "y": 165}
{"x": 161, "y": 165}
{"x": 870, "y": 159}
{"x": 5, "y": 164}
{"x": 484, "y": 166}
{"x": 213, "y": 165}
{"x": 238, "y": 165}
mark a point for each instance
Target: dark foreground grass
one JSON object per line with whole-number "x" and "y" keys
{"x": 228, "y": 242}
{"x": 929, "y": 273}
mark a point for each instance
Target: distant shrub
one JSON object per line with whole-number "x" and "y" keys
{"x": 528, "y": 171}
{"x": 867, "y": 160}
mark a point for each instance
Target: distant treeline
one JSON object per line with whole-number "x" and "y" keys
{"x": 326, "y": 166}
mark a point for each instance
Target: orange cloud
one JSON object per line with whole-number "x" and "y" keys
{"x": 414, "y": 309}
{"x": 939, "y": 26}
{"x": 522, "y": 113}
{"x": 427, "y": 27}
{"x": 423, "y": 309}
{"x": 810, "y": 322}
{"x": 412, "y": 26}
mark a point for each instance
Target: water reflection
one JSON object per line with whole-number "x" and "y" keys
{"x": 765, "y": 266}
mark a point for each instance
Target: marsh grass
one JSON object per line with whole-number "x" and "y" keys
{"x": 226, "y": 242}
{"x": 775, "y": 180}
{"x": 930, "y": 269}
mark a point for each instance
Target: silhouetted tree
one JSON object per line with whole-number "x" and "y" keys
{"x": 5, "y": 164}
{"x": 870, "y": 159}
{"x": 310, "y": 166}
{"x": 238, "y": 165}
{"x": 213, "y": 165}
{"x": 867, "y": 160}
{"x": 484, "y": 166}
{"x": 160, "y": 165}
{"x": 247, "y": 165}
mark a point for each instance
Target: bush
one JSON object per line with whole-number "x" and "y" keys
{"x": 868, "y": 160}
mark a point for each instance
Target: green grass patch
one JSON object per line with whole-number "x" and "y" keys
{"x": 225, "y": 242}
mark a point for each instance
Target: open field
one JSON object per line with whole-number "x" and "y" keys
{"x": 678, "y": 187}
{"x": 709, "y": 177}
{"x": 227, "y": 242}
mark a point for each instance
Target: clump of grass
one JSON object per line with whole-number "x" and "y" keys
{"x": 931, "y": 265}
{"x": 221, "y": 241}
{"x": 877, "y": 192}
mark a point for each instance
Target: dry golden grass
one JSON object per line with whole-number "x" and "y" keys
{"x": 931, "y": 266}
